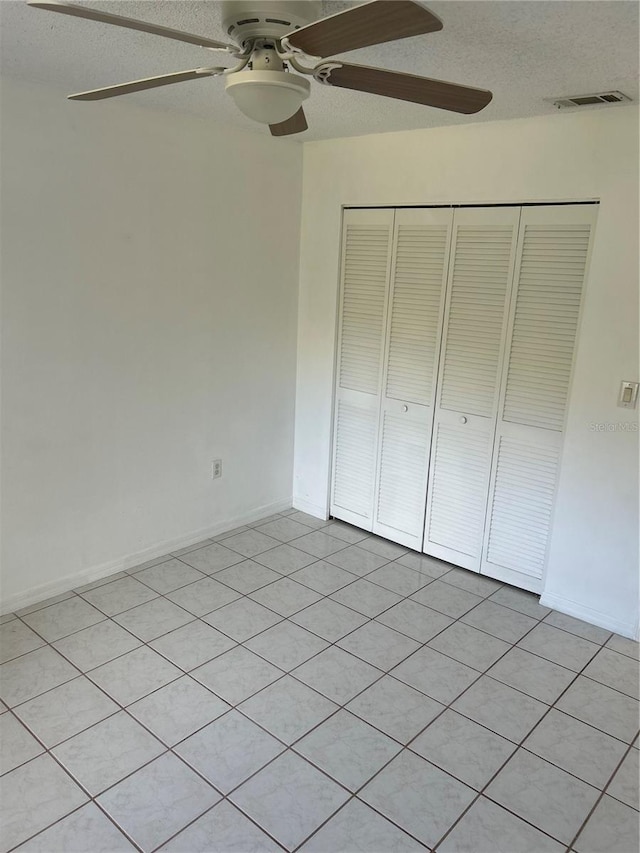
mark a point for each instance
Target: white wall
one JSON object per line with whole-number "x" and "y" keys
{"x": 149, "y": 272}
{"x": 593, "y": 565}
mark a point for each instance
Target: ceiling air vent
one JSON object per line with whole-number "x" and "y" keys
{"x": 590, "y": 100}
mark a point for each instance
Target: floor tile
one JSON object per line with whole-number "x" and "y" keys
{"x": 472, "y": 582}
{"x": 523, "y": 602}
{"x": 329, "y": 620}
{"x": 107, "y": 752}
{"x": 559, "y": 646}
{"x": 32, "y": 674}
{"x": 168, "y": 576}
{"x": 134, "y": 675}
{"x": 395, "y": 708}
{"x": 464, "y": 749}
{"x": 176, "y": 711}
{"x": 356, "y": 827}
{"x": 65, "y": 710}
{"x": 39, "y": 605}
{"x": 283, "y": 529}
{"x": 242, "y": 619}
{"x": 578, "y": 627}
{"x": 413, "y": 619}
{"x": 347, "y": 532}
{"x": 192, "y": 645}
{"x": 336, "y": 674}
{"x": 229, "y": 750}
{"x": 7, "y": 617}
{"x": 285, "y": 559}
{"x": 470, "y": 646}
{"x": 624, "y": 785}
{"x": 65, "y": 618}
{"x": 501, "y": 622}
{"x": 615, "y": 670}
{"x": 547, "y": 797}
{"x": 16, "y": 639}
{"x": 285, "y": 596}
{"x": 250, "y": 543}
{"x": 153, "y": 619}
{"x": 320, "y": 544}
{"x": 382, "y": 547}
{"x": 349, "y": 750}
{"x": 247, "y": 576}
{"x": 289, "y": 799}
{"x": 97, "y": 645}
{"x": 417, "y": 796}
{"x": 398, "y": 578}
{"x": 236, "y": 675}
{"x": 158, "y": 801}
{"x": 83, "y": 830}
{"x": 323, "y": 577}
{"x": 212, "y": 558}
{"x": 612, "y": 827}
{"x": 223, "y": 829}
{"x": 356, "y": 560}
{"x": 120, "y": 595}
{"x": 488, "y": 828}
{"x": 310, "y": 520}
{"x": 572, "y": 745}
{"x": 366, "y": 598}
{"x": 196, "y": 545}
{"x": 288, "y": 709}
{"x": 203, "y": 596}
{"x": 17, "y": 745}
{"x": 500, "y": 708}
{"x": 286, "y": 645}
{"x": 435, "y": 674}
{"x": 33, "y": 796}
{"x": 447, "y": 599}
{"x": 602, "y": 707}
{"x": 532, "y": 675}
{"x": 624, "y": 646}
{"x": 426, "y": 565}
{"x": 378, "y": 645}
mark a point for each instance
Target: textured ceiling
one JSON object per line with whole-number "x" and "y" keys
{"x": 525, "y": 51}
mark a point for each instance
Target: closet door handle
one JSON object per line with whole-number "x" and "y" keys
{"x": 463, "y": 419}
{"x": 405, "y": 408}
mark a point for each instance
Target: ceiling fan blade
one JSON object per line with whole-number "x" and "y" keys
{"x": 296, "y": 124}
{"x": 146, "y": 83}
{"x": 131, "y": 24}
{"x": 372, "y": 23}
{"x": 404, "y": 87}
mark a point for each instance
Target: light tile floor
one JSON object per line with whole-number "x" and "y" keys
{"x": 302, "y": 685}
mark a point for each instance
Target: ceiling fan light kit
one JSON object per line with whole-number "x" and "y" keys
{"x": 275, "y": 38}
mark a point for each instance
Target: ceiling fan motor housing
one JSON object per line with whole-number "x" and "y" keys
{"x": 245, "y": 20}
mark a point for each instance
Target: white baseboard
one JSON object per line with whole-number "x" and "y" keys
{"x": 588, "y": 614}
{"x": 93, "y": 573}
{"x": 315, "y": 510}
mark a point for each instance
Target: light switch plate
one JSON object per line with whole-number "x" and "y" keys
{"x": 628, "y": 397}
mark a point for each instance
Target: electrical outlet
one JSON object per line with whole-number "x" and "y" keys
{"x": 216, "y": 469}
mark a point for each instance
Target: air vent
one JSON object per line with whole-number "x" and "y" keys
{"x": 590, "y": 100}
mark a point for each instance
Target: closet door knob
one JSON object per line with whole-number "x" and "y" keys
{"x": 405, "y": 408}
{"x": 463, "y": 420}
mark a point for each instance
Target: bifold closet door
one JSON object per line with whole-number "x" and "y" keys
{"x": 416, "y": 300}
{"x": 475, "y": 319}
{"x": 367, "y": 238}
{"x": 553, "y": 252}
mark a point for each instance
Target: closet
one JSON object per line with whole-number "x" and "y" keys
{"x": 456, "y": 337}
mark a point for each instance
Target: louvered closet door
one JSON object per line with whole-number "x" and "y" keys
{"x": 416, "y": 301}
{"x": 476, "y": 313}
{"x": 553, "y": 252}
{"x": 366, "y": 260}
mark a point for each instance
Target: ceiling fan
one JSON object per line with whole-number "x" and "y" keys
{"x": 274, "y": 38}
